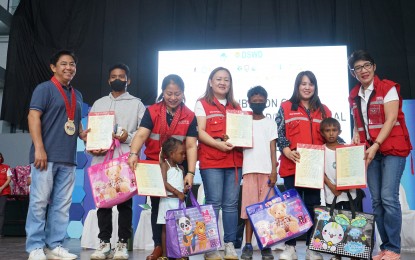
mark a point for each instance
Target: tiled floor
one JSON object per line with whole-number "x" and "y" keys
{"x": 13, "y": 248}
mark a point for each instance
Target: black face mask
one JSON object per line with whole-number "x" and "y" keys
{"x": 257, "y": 108}
{"x": 118, "y": 85}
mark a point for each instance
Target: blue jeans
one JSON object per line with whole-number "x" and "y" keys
{"x": 222, "y": 191}
{"x": 383, "y": 177}
{"x": 53, "y": 186}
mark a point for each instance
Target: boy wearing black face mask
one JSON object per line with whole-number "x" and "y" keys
{"x": 259, "y": 170}
{"x": 129, "y": 111}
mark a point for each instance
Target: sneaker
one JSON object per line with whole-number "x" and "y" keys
{"x": 389, "y": 255}
{"x": 37, "y": 254}
{"x": 312, "y": 255}
{"x": 289, "y": 253}
{"x": 121, "y": 251}
{"x": 59, "y": 253}
{"x": 267, "y": 254}
{"x": 103, "y": 251}
{"x": 230, "y": 252}
{"x": 247, "y": 252}
{"x": 213, "y": 255}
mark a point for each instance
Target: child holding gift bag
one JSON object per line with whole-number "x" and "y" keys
{"x": 171, "y": 155}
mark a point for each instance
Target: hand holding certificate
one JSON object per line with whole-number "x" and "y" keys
{"x": 100, "y": 135}
{"x": 149, "y": 179}
{"x": 350, "y": 167}
{"x": 239, "y": 128}
{"x": 309, "y": 172}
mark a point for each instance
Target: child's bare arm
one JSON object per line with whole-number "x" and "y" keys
{"x": 331, "y": 186}
{"x": 273, "y": 175}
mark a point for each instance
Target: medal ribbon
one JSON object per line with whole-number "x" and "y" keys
{"x": 70, "y": 110}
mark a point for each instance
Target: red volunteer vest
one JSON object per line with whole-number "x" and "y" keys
{"x": 153, "y": 144}
{"x": 398, "y": 142}
{"x": 208, "y": 156}
{"x": 300, "y": 128}
{"x": 3, "y": 178}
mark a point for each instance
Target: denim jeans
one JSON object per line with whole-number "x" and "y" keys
{"x": 53, "y": 186}
{"x": 311, "y": 198}
{"x": 222, "y": 191}
{"x": 383, "y": 177}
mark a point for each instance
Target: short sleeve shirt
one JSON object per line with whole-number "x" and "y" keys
{"x": 59, "y": 146}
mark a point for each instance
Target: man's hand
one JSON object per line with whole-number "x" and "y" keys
{"x": 41, "y": 159}
{"x": 188, "y": 180}
{"x": 83, "y": 134}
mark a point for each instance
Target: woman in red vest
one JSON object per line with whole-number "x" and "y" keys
{"x": 380, "y": 124}
{"x": 298, "y": 121}
{"x": 220, "y": 163}
{"x": 169, "y": 117}
{"x": 5, "y": 178}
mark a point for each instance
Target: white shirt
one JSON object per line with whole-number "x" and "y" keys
{"x": 365, "y": 94}
{"x": 258, "y": 158}
{"x": 200, "y": 110}
{"x": 330, "y": 170}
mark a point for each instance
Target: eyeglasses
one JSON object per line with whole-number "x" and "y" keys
{"x": 367, "y": 66}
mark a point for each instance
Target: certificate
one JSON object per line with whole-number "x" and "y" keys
{"x": 102, "y": 127}
{"x": 149, "y": 179}
{"x": 239, "y": 128}
{"x": 309, "y": 172}
{"x": 350, "y": 167}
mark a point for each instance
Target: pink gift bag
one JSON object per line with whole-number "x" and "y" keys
{"x": 112, "y": 181}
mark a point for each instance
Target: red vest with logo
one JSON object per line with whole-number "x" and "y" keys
{"x": 153, "y": 144}
{"x": 3, "y": 178}
{"x": 300, "y": 128}
{"x": 208, "y": 156}
{"x": 398, "y": 142}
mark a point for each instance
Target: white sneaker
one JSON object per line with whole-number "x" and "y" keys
{"x": 103, "y": 251}
{"x": 121, "y": 251}
{"x": 59, "y": 253}
{"x": 37, "y": 254}
{"x": 289, "y": 253}
{"x": 230, "y": 252}
{"x": 213, "y": 255}
{"x": 312, "y": 255}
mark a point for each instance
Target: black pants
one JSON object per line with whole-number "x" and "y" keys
{"x": 156, "y": 228}
{"x": 125, "y": 216}
{"x": 3, "y": 200}
{"x": 311, "y": 198}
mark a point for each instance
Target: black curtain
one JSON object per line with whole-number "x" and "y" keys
{"x": 133, "y": 31}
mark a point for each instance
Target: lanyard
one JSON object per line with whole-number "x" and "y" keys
{"x": 70, "y": 110}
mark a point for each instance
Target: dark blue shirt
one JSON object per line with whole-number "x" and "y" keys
{"x": 59, "y": 146}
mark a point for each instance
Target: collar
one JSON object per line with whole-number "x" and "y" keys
{"x": 362, "y": 91}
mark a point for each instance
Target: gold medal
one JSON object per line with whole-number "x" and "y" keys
{"x": 69, "y": 127}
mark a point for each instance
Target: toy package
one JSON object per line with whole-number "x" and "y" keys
{"x": 279, "y": 218}
{"x": 191, "y": 231}
{"x": 112, "y": 181}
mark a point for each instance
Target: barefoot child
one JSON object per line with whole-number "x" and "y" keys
{"x": 330, "y": 130}
{"x": 171, "y": 155}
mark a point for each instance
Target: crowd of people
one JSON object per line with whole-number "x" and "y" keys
{"x": 177, "y": 138}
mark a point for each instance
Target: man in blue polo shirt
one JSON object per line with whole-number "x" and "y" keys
{"x": 54, "y": 125}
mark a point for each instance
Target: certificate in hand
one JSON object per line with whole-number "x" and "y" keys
{"x": 149, "y": 179}
{"x": 239, "y": 128}
{"x": 309, "y": 172}
{"x": 102, "y": 127}
{"x": 350, "y": 167}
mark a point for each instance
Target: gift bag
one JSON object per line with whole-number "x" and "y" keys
{"x": 191, "y": 231}
{"x": 343, "y": 232}
{"x": 280, "y": 218}
{"x": 112, "y": 181}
